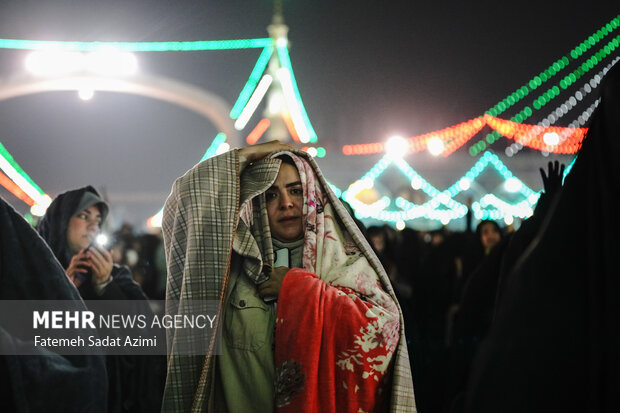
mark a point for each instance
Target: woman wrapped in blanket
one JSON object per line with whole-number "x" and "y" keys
{"x": 308, "y": 318}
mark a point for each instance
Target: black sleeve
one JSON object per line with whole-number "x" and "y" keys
{"x": 122, "y": 287}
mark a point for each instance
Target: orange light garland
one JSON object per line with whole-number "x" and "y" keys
{"x": 258, "y": 131}
{"x": 532, "y": 136}
{"x": 454, "y": 137}
{"x": 290, "y": 126}
{"x": 6, "y": 182}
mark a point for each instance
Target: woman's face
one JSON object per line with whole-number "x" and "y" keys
{"x": 82, "y": 228}
{"x": 284, "y": 205}
{"x": 489, "y": 235}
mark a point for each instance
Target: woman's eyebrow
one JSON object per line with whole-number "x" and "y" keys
{"x": 292, "y": 184}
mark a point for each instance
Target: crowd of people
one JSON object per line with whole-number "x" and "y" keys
{"x": 319, "y": 313}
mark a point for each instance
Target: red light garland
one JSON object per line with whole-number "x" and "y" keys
{"x": 6, "y": 182}
{"x": 258, "y": 131}
{"x": 533, "y": 135}
{"x": 456, "y": 136}
{"x": 290, "y": 126}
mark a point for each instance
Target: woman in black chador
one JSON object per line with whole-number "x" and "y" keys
{"x": 554, "y": 345}
{"x": 39, "y": 380}
{"x": 70, "y": 226}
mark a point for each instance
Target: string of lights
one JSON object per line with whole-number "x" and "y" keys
{"x": 13, "y": 188}
{"x": 546, "y": 75}
{"x": 440, "y": 205}
{"x": 298, "y": 105}
{"x": 489, "y": 206}
{"x": 302, "y": 123}
{"x": 250, "y": 85}
{"x": 444, "y": 142}
{"x": 564, "y": 109}
{"x": 553, "y": 92}
{"x": 190, "y": 46}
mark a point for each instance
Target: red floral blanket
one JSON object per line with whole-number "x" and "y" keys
{"x": 332, "y": 351}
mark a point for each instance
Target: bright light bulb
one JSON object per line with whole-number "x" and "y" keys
{"x": 155, "y": 220}
{"x": 86, "y": 94}
{"x": 223, "y": 148}
{"x": 45, "y": 200}
{"x": 508, "y": 219}
{"x": 112, "y": 62}
{"x": 396, "y": 147}
{"x": 38, "y": 210}
{"x": 435, "y": 146}
{"x": 512, "y": 184}
{"x": 400, "y": 225}
{"x": 312, "y": 152}
{"x": 551, "y": 138}
{"x": 101, "y": 239}
{"x": 275, "y": 104}
{"x": 464, "y": 184}
{"x": 416, "y": 183}
{"x": 445, "y": 220}
{"x": 54, "y": 62}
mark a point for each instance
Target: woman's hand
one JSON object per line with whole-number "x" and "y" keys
{"x": 253, "y": 153}
{"x": 552, "y": 181}
{"x": 271, "y": 287}
{"x": 77, "y": 268}
{"x": 101, "y": 263}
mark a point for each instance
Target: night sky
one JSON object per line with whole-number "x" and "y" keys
{"x": 366, "y": 70}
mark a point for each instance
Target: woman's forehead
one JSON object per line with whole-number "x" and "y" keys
{"x": 286, "y": 175}
{"x": 91, "y": 210}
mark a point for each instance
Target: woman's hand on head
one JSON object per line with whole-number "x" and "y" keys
{"x": 254, "y": 153}
{"x": 271, "y": 287}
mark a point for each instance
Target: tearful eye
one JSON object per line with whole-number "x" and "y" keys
{"x": 297, "y": 191}
{"x": 270, "y": 195}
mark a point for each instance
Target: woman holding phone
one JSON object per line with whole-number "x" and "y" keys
{"x": 70, "y": 227}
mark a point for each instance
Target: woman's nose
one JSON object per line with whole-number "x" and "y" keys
{"x": 285, "y": 201}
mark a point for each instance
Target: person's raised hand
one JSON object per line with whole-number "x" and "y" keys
{"x": 552, "y": 180}
{"x": 253, "y": 153}
{"x": 271, "y": 287}
{"x": 101, "y": 263}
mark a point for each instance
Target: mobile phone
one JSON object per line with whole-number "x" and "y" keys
{"x": 282, "y": 258}
{"x": 88, "y": 272}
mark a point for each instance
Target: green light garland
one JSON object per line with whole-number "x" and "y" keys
{"x": 9, "y": 158}
{"x": 137, "y": 46}
{"x": 430, "y": 209}
{"x": 219, "y": 139}
{"x": 250, "y": 85}
{"x": 285, "y": 61}
{"x": 547, "y": 74}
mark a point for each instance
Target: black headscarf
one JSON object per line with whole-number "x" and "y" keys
{"x": 45, "y": 382}
{"x": 555, "y": 340}
{"x": 53, "y": 226}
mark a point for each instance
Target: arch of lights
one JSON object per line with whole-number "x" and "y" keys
{"x": 20, "y": 184}
{"x": 441, "y": 205}
{"x": 544, "y": 137}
